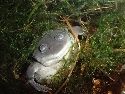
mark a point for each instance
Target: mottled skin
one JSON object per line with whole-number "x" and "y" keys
{"x": 52, "y": 47}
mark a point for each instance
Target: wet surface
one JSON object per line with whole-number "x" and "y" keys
{"x": 43, "y": 48}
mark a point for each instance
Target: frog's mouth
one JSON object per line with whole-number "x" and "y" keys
{"x": 33, "y": 59}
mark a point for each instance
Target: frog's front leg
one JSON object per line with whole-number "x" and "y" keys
{"x": 31, "y": 71}
{"x": 38, "y": 86}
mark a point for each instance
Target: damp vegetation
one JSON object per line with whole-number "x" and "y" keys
{"x": 96, "y": 67}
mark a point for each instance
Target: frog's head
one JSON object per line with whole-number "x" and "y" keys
{"x": 53, "y": 46}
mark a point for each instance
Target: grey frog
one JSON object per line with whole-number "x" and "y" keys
{"x": 51, "y": 49}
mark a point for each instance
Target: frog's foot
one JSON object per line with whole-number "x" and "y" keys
{"x": 39, "y": 87}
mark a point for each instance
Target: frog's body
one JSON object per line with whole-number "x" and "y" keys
{"x": 51, "y": 49}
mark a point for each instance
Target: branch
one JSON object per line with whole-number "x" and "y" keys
{"x": 119, "y": 50}
{"x": 69, "y": 75}
{"x": 71, "y": 30}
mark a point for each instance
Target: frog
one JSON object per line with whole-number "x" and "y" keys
{"x": 54, "y": 46}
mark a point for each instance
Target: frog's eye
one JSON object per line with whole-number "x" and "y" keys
{"x": 43, "y": 48}
{"x": 59, "y": 37}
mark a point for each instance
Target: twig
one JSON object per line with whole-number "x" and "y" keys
{"x": 3, "y": 78}
{"x": 66, "y": 79}
{"x": 78, "y": 42}
{"x": 69, "y": 75}
{"x": 14, "y": 71}
{"x": 100, "y": 8}
{"x": 71, "y": 30}
{"x": 119, "y": 50}
{"x": 108, "y": 75}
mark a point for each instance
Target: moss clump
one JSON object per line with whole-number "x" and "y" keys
{"x": 109, "y": 37}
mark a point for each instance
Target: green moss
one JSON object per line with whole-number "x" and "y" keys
{"x": 109, "y": 36}
{"x": 22, "y": 23}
